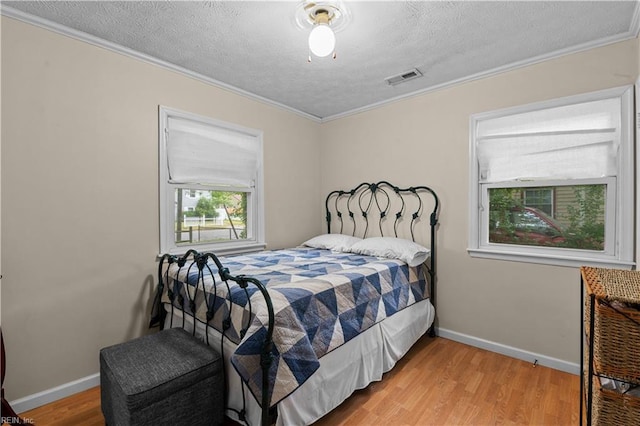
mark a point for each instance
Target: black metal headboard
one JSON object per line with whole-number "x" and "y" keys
{"x": 384, "y": 200}
{"x": 384, "y": 209}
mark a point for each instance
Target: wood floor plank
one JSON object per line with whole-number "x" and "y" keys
{"x": 439, "y": 382}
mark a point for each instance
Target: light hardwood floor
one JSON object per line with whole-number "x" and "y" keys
{"x": 439, "y": 382}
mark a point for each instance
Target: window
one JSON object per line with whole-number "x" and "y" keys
{"x": 552, "y": 182}
{"x": 210, "y": 185}
{"x": 539, "y": 198}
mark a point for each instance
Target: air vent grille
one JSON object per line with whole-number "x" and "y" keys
{"x": 405, "y": 76}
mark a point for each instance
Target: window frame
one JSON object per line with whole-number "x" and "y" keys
{"x": 255, "y": 201}
{"x": 619, "y": 207}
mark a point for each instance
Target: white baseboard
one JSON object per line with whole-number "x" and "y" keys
{"x": 558, "y": 364}
{"x": 30, "y": 402}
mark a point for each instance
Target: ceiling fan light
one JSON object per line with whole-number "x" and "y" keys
{"x": 322, "y": 40}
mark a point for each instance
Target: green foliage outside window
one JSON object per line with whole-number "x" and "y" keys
{"x": 502, "y": 201}
{"x": 586, "y": 218}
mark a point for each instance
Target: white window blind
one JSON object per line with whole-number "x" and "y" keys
{"x": 577, "y": 141}
{"x": 210, "y": 155}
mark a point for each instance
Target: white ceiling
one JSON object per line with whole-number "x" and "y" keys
{"x": 256, "y": 48}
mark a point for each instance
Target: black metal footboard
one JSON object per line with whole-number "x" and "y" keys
{"x": 190, "y": 298}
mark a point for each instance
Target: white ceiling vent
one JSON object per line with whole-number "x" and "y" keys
{"x": 405, "y": 76}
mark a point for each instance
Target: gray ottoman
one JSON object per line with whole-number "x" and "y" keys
{"x": 166, "y": 378}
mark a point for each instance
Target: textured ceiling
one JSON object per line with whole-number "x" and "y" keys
{"x": 257, "y": 48}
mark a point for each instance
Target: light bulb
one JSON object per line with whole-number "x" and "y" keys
{"x": 322, "y": 40}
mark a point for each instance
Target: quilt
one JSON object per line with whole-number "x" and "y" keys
{"x": 321, "y": 299}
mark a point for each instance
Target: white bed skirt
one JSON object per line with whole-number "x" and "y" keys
{"x": 346, "y": 369}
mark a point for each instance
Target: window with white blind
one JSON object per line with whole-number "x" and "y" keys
{"x": 210, "y": 185}
{"x": 553, "y": 182}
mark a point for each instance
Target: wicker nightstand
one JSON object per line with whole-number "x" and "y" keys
{"x": 612, "y": 351}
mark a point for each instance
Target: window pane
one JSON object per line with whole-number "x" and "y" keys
{"x": 539, "y": 198}
{"x": 531, "y": 216}
{"x": 210, "y": 216}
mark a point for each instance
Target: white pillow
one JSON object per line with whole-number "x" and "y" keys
{"x": 335, "y": 242}
{"x": 394, "y": 248}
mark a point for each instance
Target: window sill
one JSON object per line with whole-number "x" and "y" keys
{"x": 220, "y": 249}
{"x": 550, "y": 259}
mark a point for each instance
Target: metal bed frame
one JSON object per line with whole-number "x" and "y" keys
{"x": 367, "y": 202}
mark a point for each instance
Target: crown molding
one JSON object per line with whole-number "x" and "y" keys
{"x": 99, "y": 42}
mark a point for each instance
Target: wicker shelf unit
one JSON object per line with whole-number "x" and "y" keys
{"x": 611, "y": 350}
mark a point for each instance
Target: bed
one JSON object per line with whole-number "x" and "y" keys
{"x": 301, "y": 329}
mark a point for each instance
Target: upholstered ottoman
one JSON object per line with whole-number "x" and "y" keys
{"x": 166, "y": 378}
